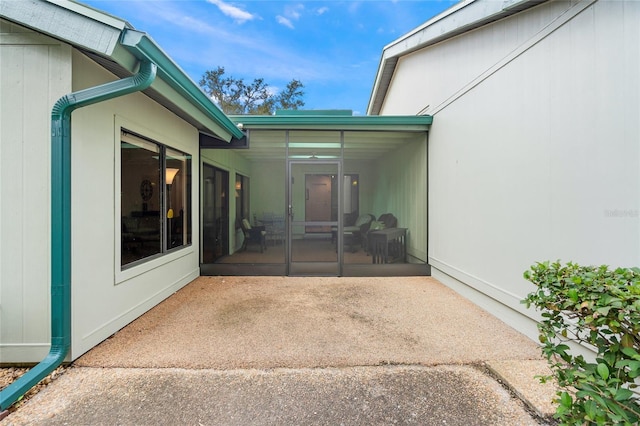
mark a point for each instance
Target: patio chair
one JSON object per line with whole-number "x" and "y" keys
{"x": 278, "y": 229}
{"x": 354, "y": 230}
{"x": 253, "y": 234}
{"x": 363, "y": 222}
{"x": 385, "y": 221}
{"x": 274, "y": 225}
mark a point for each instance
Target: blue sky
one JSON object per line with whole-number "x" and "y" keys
{"x": 333, "y": 47}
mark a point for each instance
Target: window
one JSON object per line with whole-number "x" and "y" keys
{"x": 155, "y": 198}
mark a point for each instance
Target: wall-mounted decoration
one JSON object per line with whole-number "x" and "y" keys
{"x": 146, "y": 190}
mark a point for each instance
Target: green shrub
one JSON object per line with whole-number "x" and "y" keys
{"x": 600, "y": 308}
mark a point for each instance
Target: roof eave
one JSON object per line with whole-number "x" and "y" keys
{"x": 142, "y": 46}
{"x": 333, "y": 122}
{"x": 101, "y": 32}
{"x": 116, "y": 41}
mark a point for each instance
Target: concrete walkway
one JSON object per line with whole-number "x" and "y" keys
{"x": 285, "y": 350}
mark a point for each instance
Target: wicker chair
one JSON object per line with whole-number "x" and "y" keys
{"x": 253, "y": 234}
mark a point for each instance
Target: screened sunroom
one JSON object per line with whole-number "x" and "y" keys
{"x": 316, "y": 193}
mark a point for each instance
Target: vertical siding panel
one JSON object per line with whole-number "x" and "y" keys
{"x": 35, "y": 72}
{"x": 36, "y": 180}
{"x": 572, "y": 142}
{"x": 11, "y": 215}
{"x": 35, "y": 67}
{"x": 615, "y": 103}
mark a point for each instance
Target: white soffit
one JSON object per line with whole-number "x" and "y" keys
{"x": 67, "y": 21}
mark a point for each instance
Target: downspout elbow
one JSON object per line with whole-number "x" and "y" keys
{"x": 61, "y": 221}
{"x": 136, "y": 83}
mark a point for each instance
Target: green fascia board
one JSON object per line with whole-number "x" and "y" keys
{"x": 335, "y": 122}
{"x": 143, "y": 47}
{"x": 333, "y": 112}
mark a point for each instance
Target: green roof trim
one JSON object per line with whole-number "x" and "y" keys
{"x": 335, "y": 122}
{"x": 144, "y": 48}
{"x": 332, "y": 112}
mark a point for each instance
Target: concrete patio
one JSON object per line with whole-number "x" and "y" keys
{"x": 287, "y": 350}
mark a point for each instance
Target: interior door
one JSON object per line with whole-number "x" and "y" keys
{"x": 314, "y": 235}
{"x": 319, "y": 188}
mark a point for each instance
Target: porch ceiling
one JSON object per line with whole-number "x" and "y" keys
{"x": 358, "y": 145}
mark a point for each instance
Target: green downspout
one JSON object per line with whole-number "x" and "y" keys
{"x": 61, "y": 221}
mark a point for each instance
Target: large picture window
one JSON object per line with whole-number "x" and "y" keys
{"x": 155, "y": 198}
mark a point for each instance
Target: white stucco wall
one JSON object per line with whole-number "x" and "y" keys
{"x": 539, "y": 156}
{"x": 34, "y": 72}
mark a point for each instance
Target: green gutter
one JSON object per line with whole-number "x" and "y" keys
{"x": 61, "y": 221}
{"x": 143, "y": 47}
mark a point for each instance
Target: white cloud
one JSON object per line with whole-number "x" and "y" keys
{"x": 322, "y": 10}
{"x": 284, "y": 21}
{"x": 293, "y": 11}
{"x": 275, "y": 61}
{"x": 239, "y": 15}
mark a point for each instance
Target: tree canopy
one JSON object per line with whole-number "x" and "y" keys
{"x": 235, "y": 96}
